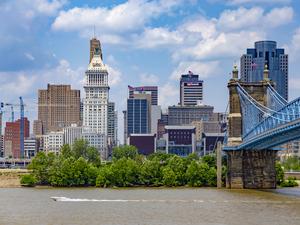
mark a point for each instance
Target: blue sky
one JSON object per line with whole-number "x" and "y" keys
{"x": 143, "y": 42}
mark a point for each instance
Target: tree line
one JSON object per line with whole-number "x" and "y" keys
{"x": 80, "y": 165}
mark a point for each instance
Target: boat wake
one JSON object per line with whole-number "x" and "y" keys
{"x": 65, "y": 199}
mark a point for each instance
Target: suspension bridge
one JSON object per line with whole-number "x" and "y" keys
{"x": 259, "y": 121}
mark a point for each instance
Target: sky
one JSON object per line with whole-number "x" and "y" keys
{"x": 143, "y": 43}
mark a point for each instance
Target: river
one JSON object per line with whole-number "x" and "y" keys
{"x": 152, "y": 206}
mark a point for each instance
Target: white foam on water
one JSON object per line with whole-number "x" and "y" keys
{"x": 65, "y": 199}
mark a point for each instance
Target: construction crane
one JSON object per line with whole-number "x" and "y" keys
{"x": 21, "y": 105}
{"x": 12, "y": 118}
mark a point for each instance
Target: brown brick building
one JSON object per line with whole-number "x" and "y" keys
{"x": 58, "y": 107}
{"x": 12, "y": 138}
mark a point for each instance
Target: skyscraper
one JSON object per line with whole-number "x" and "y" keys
{"x": 138, "y": 114}
{"x": 266, "y": 53}
{"x": 95, "y": 103}
{"x": 58, "y": 106}
{"x": 191, "y": 89}
{"x": 112, "y": 124}
{"x": 152, "y": 90}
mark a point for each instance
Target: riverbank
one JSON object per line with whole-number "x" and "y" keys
{"x": 11, "y": 177}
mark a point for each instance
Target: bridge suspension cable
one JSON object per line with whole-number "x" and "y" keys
{"x": 266, "y": 110}
{"x": 260, "y": 107}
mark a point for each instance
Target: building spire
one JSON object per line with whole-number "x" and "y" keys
{"x": 235, "y": 72}
{"x": 266, "y": 73}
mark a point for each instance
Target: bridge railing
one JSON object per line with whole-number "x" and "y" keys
{"x": 287, "y": 114}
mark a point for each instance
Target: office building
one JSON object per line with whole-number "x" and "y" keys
{"x": 72, "y": 133}
{"x": 99, "y": 141}
{"x": 152, "y": 90}
{"x": 185, "y": 115}
{"x": 125, "y": 126}
{"x": 12, "y": 138}
{"x": 206, "y": 127}
{"x": 53, "y": 141}
{"x": 112, "y": 124}
{"x": 180, "y": 140}
{"x": 161, "y": 123}
{"x": 155, "y": 115}
{"x": 138, "y": 114}
{"x": 191, "y": 89}
{"x": 95, "y": 103}
{"x": 37, "y": 127}
{"x": 1, "y": 145}
{"x": 209, "y": 142}
{"x": 58, "y": 107}
{"x": 145, "y": 143}
{"x": 31, "y": 147}
{"x": 266, "y": 53}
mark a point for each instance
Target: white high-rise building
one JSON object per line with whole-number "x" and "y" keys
{"x": 95, "y": 103}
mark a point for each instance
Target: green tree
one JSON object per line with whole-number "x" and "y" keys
{"x": 80, "y": 148}
{"x": 105, "y": 177}
{"x": 178, "y": 165}
{"x": 192, "y": 174}
{"x": 211, "y": 160}
{"x": 66, "y": 151}
{"x": 291, "y": 163}
{"x": 151, "y": 173}
{"x": 127, "y": 151}
{"x": 169, "y": 177}
{"x": 40, "y": 165}
{"x": 279, "y": 173}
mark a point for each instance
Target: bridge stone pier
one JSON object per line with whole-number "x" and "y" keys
{"x": 251, "y": 169}
{"x": 247, "y": 168}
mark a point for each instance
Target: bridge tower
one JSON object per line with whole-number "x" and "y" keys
{"x": 251, "y": 168}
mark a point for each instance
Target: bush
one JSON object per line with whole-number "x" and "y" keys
{"x": 290, "y": 182}
{"x": 279, "y": 173}
{"x": 28, "y": 180}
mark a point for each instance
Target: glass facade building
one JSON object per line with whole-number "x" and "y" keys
{"x": 137, "y": 116}
{"x": 266, "y": 53}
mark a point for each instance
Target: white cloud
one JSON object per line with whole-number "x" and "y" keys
{"x": 240, "y": 19}
{"x": 152, "y": 38}
{"x": 128, "y": 16}
{"x": 254, "y": 18}
{"x": 296, "y": 40}
{"x": 279, "y": 16}
{"x": 222, "y": 46}
{"x": 240, "y": 2}
{"x": 168, "y": 95}
{"x": 203, "y": 69}
{"x": 149, "y": 79}
{"x": 29, "y": 56}
{"x": 47, "y": 7}
{"x": 206, "y": 28}
{"x": 114, "y": 76}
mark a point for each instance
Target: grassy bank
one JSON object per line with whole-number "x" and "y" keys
{"x": 11, "y": 177}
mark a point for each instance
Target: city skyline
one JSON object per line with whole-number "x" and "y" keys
{"x": 151, "y": 61}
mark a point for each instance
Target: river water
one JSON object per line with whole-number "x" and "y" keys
{"x": 152, "y": 206}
